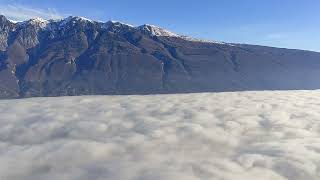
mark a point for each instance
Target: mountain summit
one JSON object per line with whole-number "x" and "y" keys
{"x": 78, "y": 56}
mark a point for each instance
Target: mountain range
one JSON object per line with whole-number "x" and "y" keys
{"x": 78, "y": 56}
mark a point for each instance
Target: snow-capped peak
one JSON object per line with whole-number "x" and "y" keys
{"x": 76, "y": 18}
{"x": 118, "y": 22}
{"x": 157, "y": 31}
{"x": 73, "y": 19}
{"x": 38, "y": 20}
{"x": 42, "y": 23}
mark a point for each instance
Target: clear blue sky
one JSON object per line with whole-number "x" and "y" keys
{"x": 280, "y": 23}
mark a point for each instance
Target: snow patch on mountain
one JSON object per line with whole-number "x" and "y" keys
{"x": 119, "y": 22}
{"x": 39, "y": 22}
{"x": 157, "y": 31}
{"x": 146, "y": 28}
{"x": 13, "y": 21}
{"x": 72, "y": 20}
{"x": 188, "y": 38}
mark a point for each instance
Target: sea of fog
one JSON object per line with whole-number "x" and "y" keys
{"x": 222, "y": 136}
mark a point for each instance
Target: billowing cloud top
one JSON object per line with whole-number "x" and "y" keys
{"x": 249, "y": 135}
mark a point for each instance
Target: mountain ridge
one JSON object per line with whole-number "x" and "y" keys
{"x": 78, "y": 56}
{"x": 155, "y": 26}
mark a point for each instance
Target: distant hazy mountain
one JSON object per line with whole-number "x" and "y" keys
{"x": 77, "y": 56}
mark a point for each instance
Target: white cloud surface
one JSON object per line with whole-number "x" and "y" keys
{"x": 229, "y": 136}
{"x": 18, "y": 12}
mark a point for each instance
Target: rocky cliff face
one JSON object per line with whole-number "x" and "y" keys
{"x": 76, "y": 56}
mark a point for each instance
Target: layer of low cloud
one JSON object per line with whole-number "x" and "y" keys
{"x": 18, "y": 12}
{"x": 247, "y": 135}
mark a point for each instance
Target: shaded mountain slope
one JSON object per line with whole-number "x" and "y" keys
{"x": 76, "y": 56}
